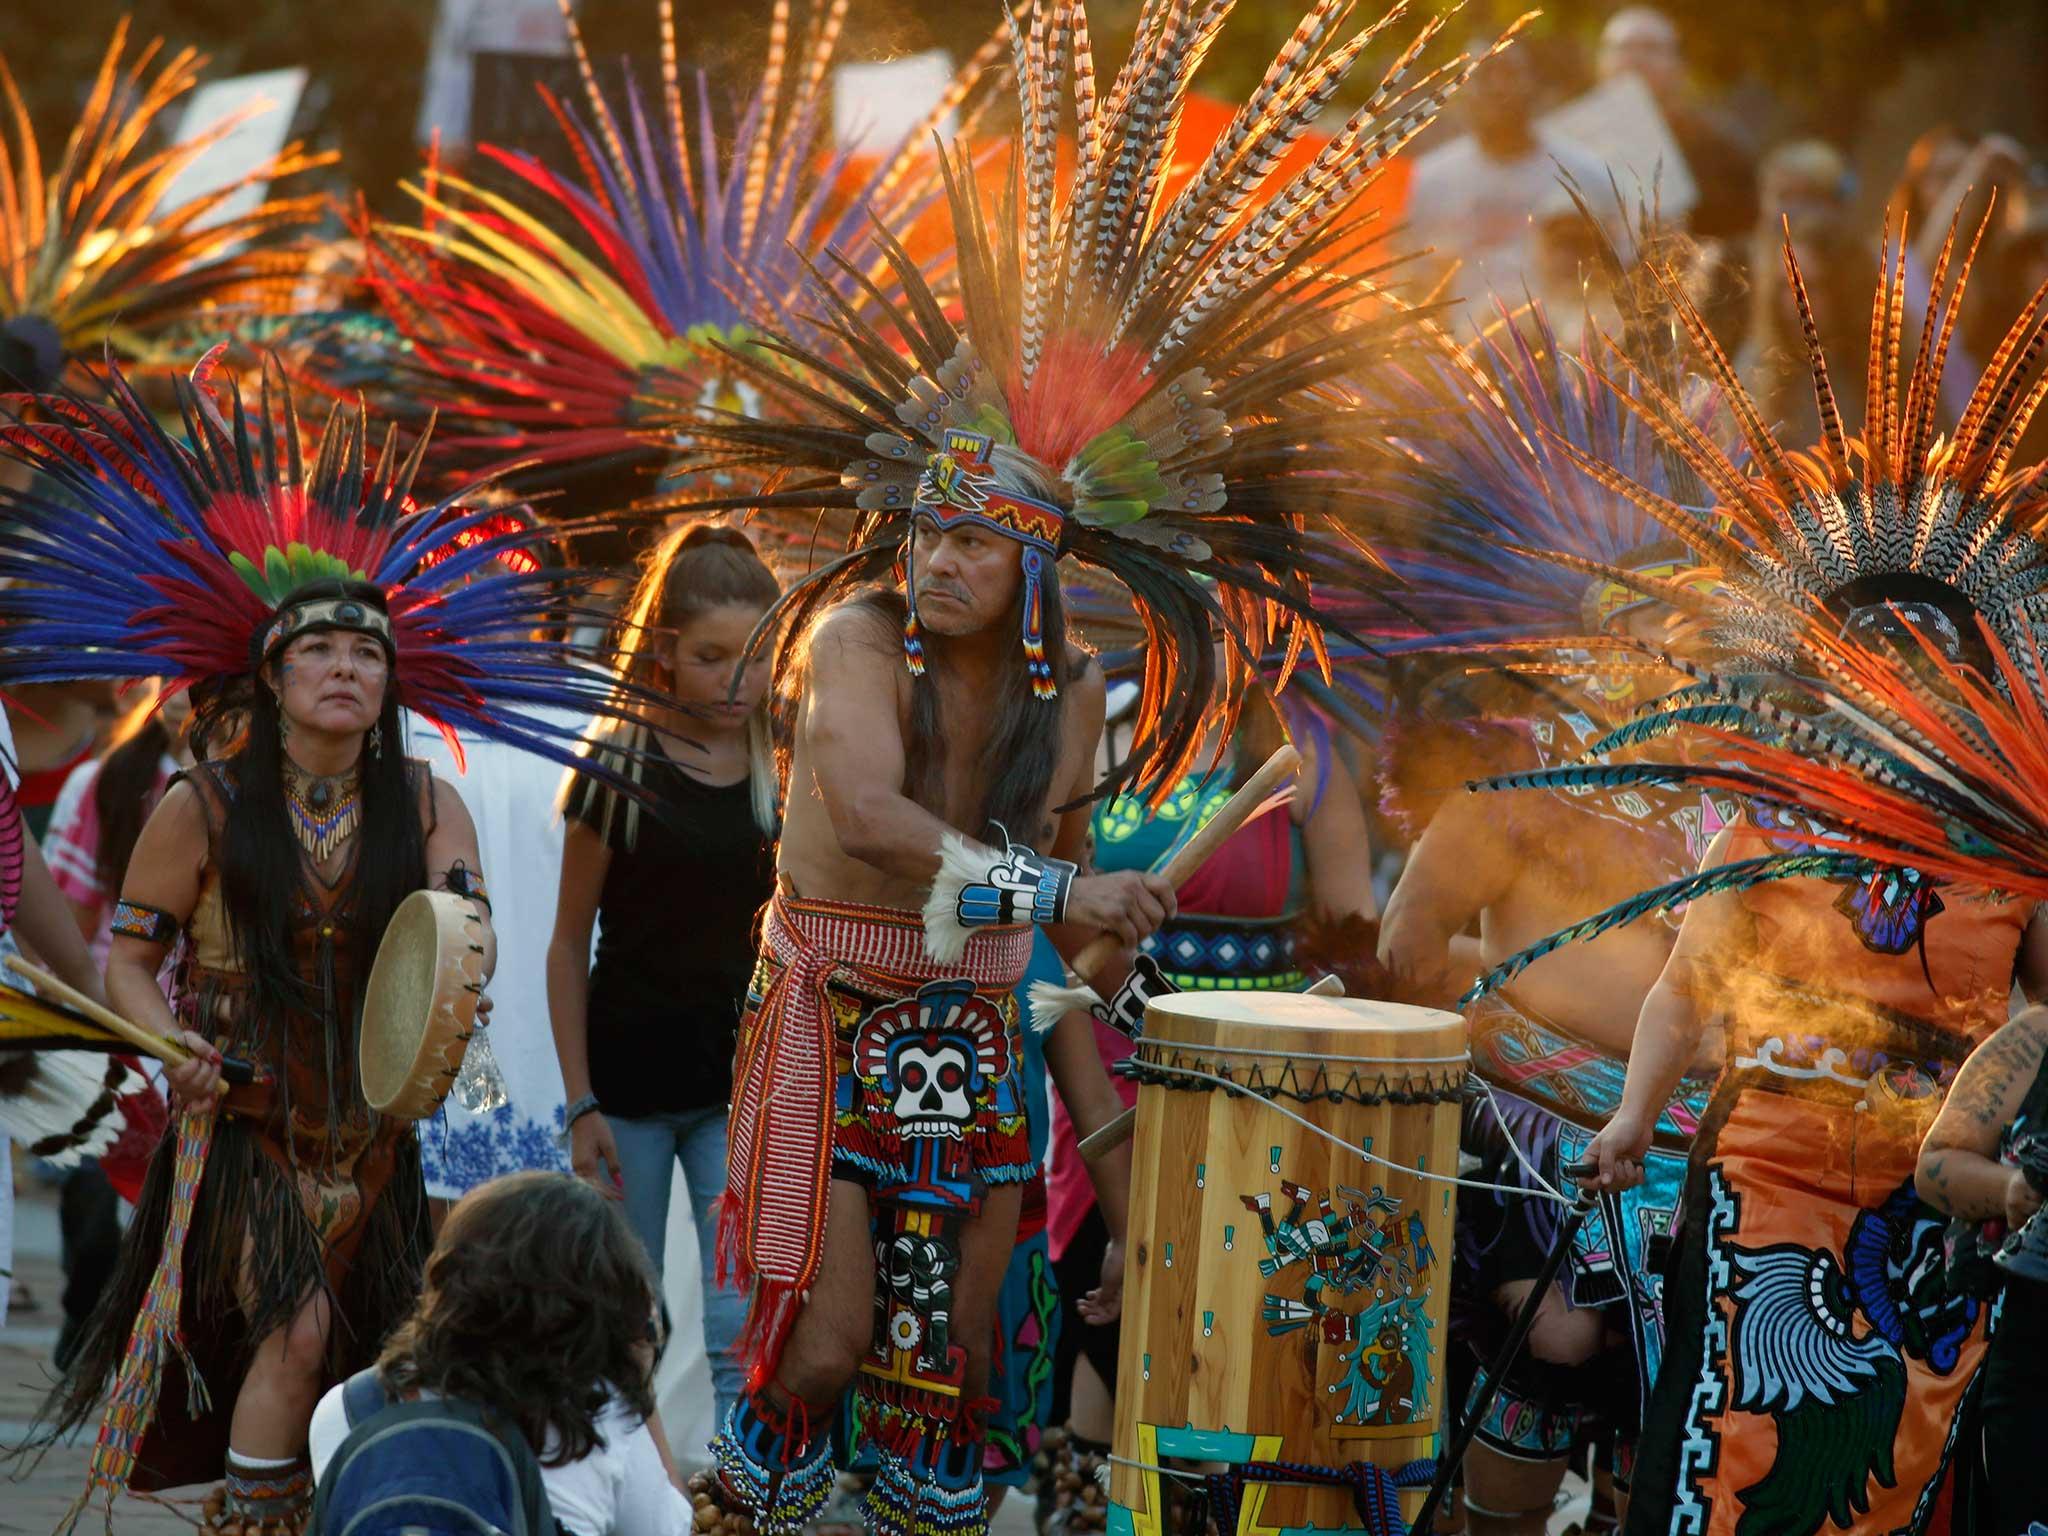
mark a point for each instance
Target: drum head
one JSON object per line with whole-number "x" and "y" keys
{"x": 398, "y": 1003}
{"x": 1301, "y": 1024}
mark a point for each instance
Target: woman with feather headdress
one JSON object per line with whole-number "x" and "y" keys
{"x": 1124, "y": 385}
{"x": 281, "y": 1227}
{"x": 1818, "y": 1370}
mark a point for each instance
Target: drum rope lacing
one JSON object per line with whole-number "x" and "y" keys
{"x": 1310, "y": 1082}
{"x": 1162, "y": 1073}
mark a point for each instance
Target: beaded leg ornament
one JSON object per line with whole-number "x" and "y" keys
{"x": 937, "y": 1496}
{"x": 132, "y": 1406}
{"x": 770, "y": 1465}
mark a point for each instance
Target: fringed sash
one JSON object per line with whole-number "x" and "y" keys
{"x": 158, "y": 1327}
{"x": 778, "y": 1172}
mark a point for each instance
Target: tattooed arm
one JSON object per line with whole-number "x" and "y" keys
{"x": 1959, "y": 1172}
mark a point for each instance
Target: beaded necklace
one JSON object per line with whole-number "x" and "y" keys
{"x": 325, "y": 812}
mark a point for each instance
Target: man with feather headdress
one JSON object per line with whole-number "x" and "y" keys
{"x": 1871, "y": 599}
{"x": 1125, "y": 389}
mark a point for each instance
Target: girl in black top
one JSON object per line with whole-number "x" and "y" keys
{"x": 645, "y": 1034}
{"x": 1967, "y": 1171}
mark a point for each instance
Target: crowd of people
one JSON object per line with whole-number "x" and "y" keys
{"x": 822, "y": 596}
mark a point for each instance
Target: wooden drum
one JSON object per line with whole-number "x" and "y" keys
{"x": 1285, "y": 1298}
{"x": 419, "y": 1008}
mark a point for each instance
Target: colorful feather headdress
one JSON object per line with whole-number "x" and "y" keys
{"x": 1127, "y": 384}
{"x": 1902, "y": 521}
{"x": 1888, "y": 621}
{"x": 1883, "y": 769}
{"x": 1517, "y": 543}
{"x": 550, "y": 324}
{"x": 143, "y": 555}
{"x": 90, "y": 259}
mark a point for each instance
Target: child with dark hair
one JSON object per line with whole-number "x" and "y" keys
{"x": 540, "y": 1306}
{"x": 645, "y": 1032}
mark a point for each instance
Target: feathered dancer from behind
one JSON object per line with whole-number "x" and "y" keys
{"x": 548, "y": 322}
{"x": 1127, "y": 382}
{"x": 139, "y": 554}
{"x": 93, "y": 260}
{"x": 1903, "y": 571}
{"x": 1867, "y": 756}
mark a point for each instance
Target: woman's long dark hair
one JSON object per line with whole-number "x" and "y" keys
{"x": 538, "y": 1303}
{"x": 262, "y": 873}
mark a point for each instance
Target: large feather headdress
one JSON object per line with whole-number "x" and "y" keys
{"x": 1883, "y": 769}
{"x": 139, "y": 554}
{"x": 1517, "y": 541}
{"x": 93, "y": 261}
{"x": 1126, "y": 382}
{"x": 1901, "y": 520}
{"x": 1871, "y": 678}
{"x": 551, "y": 321}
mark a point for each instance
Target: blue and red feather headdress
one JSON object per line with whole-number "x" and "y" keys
{"x": 139, "y": 554}
{"x": 564, "y": 320}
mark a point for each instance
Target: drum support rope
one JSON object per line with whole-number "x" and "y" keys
{"x": 1375, "y": 1492}
{"x": 1164, "y": 1072}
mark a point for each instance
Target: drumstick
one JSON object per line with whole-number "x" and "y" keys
{"x": 1112, "y": 1134}
{"x": 148, "y": 1041}
{"x": 1049, "y": 1002}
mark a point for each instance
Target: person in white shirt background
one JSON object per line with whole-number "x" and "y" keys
{"x": 1488, "y": 192}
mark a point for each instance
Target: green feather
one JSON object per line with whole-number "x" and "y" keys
{"x": 1116, "y": 479}
{"x": 246, "y": 569}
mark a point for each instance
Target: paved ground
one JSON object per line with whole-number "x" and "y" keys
{"x": 34, "y": 1503}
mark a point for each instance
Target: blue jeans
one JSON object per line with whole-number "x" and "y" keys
{"x": 649, "y": 1150}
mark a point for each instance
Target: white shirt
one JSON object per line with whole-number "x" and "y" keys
{"x": 619, "y": 1489}
{"x": 1483, "y": 211}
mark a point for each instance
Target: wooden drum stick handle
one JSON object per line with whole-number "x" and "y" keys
{"x": 148, "y": 1041}
{"x": 1194, "y": 853}
{"x": 145, "y": 1040}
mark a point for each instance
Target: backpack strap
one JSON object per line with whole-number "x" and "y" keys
{"x": 362, "y": 1395}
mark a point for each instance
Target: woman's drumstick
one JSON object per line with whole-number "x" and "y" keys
{"x": 148, "y": 1041}
{"x": 1048, "y": 1002}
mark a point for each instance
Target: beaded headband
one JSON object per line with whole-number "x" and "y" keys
{"x": 958, "y": 486}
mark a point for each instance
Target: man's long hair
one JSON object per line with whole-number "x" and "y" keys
{"x": 1022, "y": 750}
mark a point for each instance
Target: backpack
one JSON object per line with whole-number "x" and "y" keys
{"x": 435, "y": 1467}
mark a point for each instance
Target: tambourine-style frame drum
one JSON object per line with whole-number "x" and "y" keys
{"x": 419, "y": 1009}
{"x": 1287, "y": 1284}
